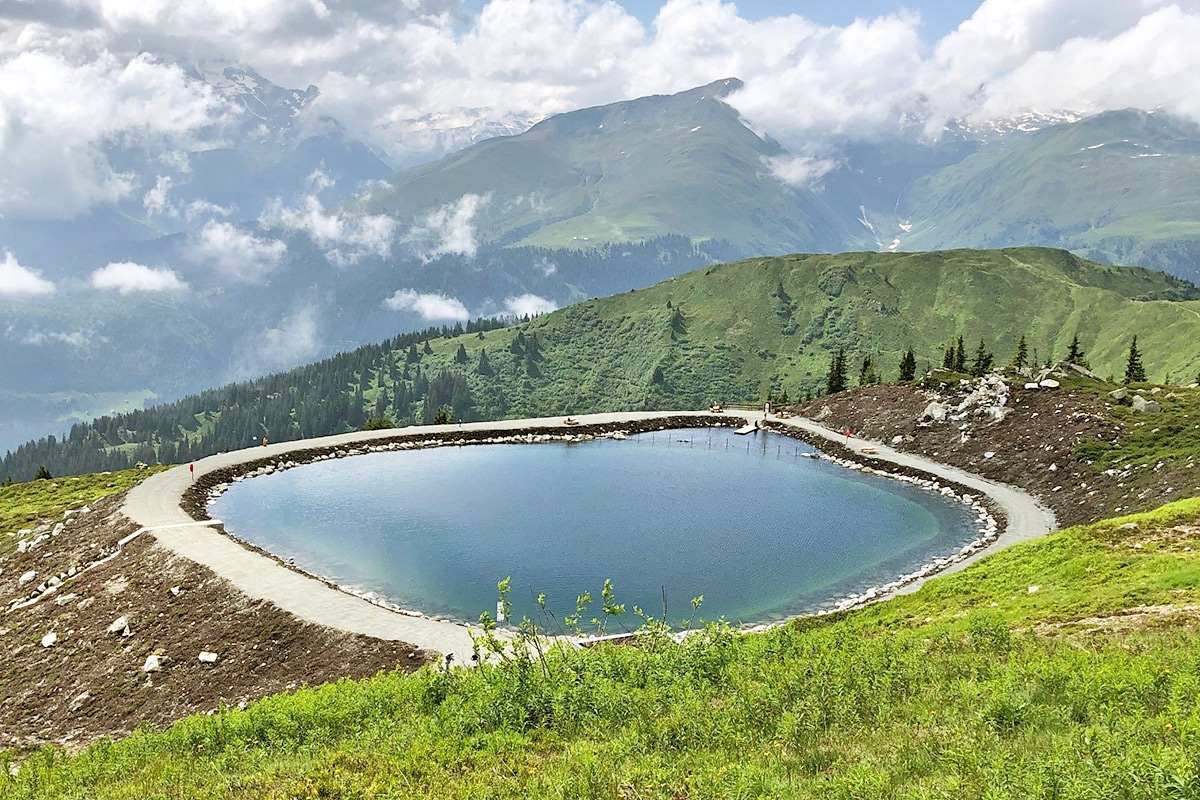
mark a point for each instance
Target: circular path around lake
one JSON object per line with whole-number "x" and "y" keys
{"x": 157, "y": 506}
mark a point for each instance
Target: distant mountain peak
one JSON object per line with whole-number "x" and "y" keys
{"x": 1024, "y": 122}
{"x": 265, "y": 103}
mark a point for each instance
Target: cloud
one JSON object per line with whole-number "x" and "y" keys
{"x": 296, "y": 338}
{"x": 346, "y": 238}
{"x": 127, "y": 277}
{"x": 16, "y": 279}
{"x": 449, "y": 229}
{"x": 431, "y": 306}
{"x": 78, "y": 339}
{"x": 76, "y": 78}
{"x": 234, "y": 253}
{"x": 157, "y": 201}
{"x": 528, "y": 305}
{"x": 59, "y": 115}
{"x": 800, "y": 171}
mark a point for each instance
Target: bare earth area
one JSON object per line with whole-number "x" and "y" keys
{"x": 70, "y": 675}
{"x": 1032, "y": 447}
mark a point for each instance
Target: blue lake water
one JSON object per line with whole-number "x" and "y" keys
{"x": 759, "y": 530}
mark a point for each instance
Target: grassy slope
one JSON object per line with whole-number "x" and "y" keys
{"x": 682, "y": 163}
{"x": 1056, "y": 187}
{"x": 977, "y": 686}
{"x": 738, "y": 339}
{"x": 23, "y": 504}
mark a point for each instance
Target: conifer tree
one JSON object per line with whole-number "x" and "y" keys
{"x": 960, "y": 356}
{"x": 1022, "y": 356}
{"x": 908, "y": 366}
{"x": 1075, "y": 352}
{"x": 983, "y": 361}
{"x": 836, "y": 382}
{"x": 460, "y": 355}
{"x": 948, "y": 357}
{"x": 867, "y": 375}
{"x": 1135, "y": 371}
{"x": 428, "y": 348}
{"x": 485, "y": 367}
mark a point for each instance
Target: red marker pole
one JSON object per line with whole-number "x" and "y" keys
{"x": 192, "y": 471}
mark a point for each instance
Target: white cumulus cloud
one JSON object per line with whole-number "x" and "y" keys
{"x": 432, "y": 306}
{"x": 346, "y": 238}
{"x": 235, "y": 253}
{"x": 127, "y": 277}
{"x": 17, "y": 279}
{"x": 449, "y": 230}
{"x": 528, "y": 305}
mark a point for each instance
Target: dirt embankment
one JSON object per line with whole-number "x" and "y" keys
{"x": 1034, "y": 446}
{"x": 72, "y": 670}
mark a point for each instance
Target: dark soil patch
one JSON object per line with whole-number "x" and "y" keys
{"x": 91, "y": 683}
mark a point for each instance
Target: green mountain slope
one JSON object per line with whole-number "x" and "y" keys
{"x": 1120, "y": 187}
{"x": 730, "y": 333}
{"x": 681, "y": 164}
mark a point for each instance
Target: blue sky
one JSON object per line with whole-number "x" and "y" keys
{"x": 939, "y": 17}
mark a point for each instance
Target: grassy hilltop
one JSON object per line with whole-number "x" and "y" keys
{"x": 1064, "y": 668}
{"x": 730, "y": 333}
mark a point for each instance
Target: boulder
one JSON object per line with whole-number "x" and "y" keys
{"x": 1119, "y": 394}
{"x": 26, "y": 578}
{"x": 1144, "y": 406}
{"x": 935, "y": 411}
{"x": 153, "y": 663}
{"x": 207, "y": 657}
{"x": 1084, "y": 371}
{"x": 1032, "y": 386}
{"x": 49, "y": 639}
{"x": 119, "y": 625}
{"x": 1049, "y": 383}
{"x": 1156, "y": 390}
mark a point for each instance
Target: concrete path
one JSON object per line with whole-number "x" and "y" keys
{"x": 156, "y": 503}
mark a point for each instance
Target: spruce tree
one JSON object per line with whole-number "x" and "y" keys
{"x": 461, "y": 354}
{"x": 428, "y": 348}
{"x": 1135, "y": 371}
{"x": 908, "y": 366}
{"x": 1022, "y": 356}
{"x": 948, "y": 357}
{"x": 960, "y": 356}
{"x": 983, "y": 361}
{"x": 1075, "y": 352}
{"x": 485, "y": 367}
{"x": 42, "y": 473}
{"x": 836, "y": 382}
{"x": 866, "y": 375}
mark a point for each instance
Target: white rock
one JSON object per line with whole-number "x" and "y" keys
{"x": 153, "y": 663}
{"x": 26, "y": 578}
{"x": 78, "y": 702}
{"x": 1033, "y": 589}
{"x": 1032, "y": 386}
{"x": 1049, "y": 383}
{"x": 989, "y": 454}
{"x": 207, "y": 657}
{"x": 49, "y": 639}
{"x": 118, "y": 625}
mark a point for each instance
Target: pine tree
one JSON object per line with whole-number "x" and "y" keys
{"x": 836, "y": 382}
{"x": 960, "y": 356}
{"x": 983, "y": 361}
{"x": 1075, "y": 352}
{"x": 1022, "y": 356}
{"x": 485, "y": 367}
{"x": 948, "y": 357}
{"x": 1135, "y": 371}
{"x": 908, "y": 366}
{"x": 867, "y": 375}
{"x": 428, "y": 348}
{"x": 42, "y": 473}
{"x": 461, "y": 354}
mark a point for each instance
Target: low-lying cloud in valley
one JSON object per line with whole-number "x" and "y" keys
{"x": 127, "y": 277}
{"x": 430, "y": 306}
{"x": 16, "y": 279}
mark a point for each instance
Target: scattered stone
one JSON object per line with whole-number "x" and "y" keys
{"x": 78, "y": 702}
{"x": 26, "y": 578}
{"x": 989, "y": 454}
{"x": 207, "y": 657}
{"x": 1033, "y": 588}
{"x": 1119, "y": 394}
{"x": 1144, "y": 406}
{"x": 85, "y": 602}
{"x": 1156, "y": 390}
{"x": 66, "y": 598}
{"x": 1032, "y": 386}
{"x": 119, "y": 625}
{"x": 1049, "y": 383}
{"x": 935, "y": 412}
{"x": 175, "y": 591}
{"x": 49, "y": 639}
{"x": 153, "y": 663}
